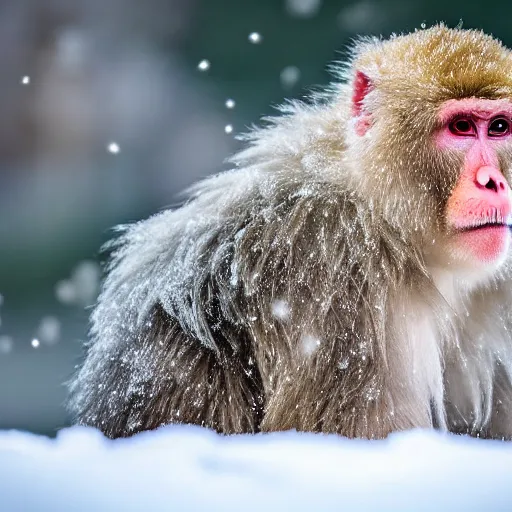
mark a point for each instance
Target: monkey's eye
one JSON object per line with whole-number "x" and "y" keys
{"x": 499, "y": 127}
{"x": 462, "y": 126}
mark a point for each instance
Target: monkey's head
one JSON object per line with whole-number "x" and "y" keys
{"x": 430, "y": 140}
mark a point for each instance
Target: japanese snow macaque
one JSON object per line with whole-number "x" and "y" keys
{"x": 351, "y": 274}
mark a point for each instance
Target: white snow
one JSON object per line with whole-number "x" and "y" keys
{"x": 309, "y": 344}
{"x": 72, "y": 48}
{"x": 204, "y": 65}
{"x": 82, "y": 287}
{"x": 48, "y": 331}
{"x": 113, "y": 147}
{"x": 65, "y": 292}
{"x": 255, "y": 37}
{"x": 281, "y": 309}
{"x": 289, "y": 76}
{"x": 303, "y": 8}
{"x": 187, "y": 468}
{"x": 6, "y": 344}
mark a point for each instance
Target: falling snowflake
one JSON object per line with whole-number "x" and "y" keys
{"x": 228, "y": 128}
{"x": 113, "y": 148}
{"x": 290, "y": 75}
{"x": 359, "y": 16}
{"x": 303, "y": 8}
{"x": 82, "y": 288}
{"x": 6, "y": 344}
{"x": 204, "y": 65}
{"x": 343, "y": 364}
{"x": 255, "y": 37}
{"x": 310, "y": 345}
{"x": 48, "y": 331}
{"x": 72, "y": 48}
{"x": 35, "y": 343}
{"x": 65, "y": 292}
{"x": 25, "y": 80}
{"x": 230, "y": 103}
{"x": 281, "y": 309}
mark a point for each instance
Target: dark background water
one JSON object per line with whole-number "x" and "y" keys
{"x": 126, "y": 72}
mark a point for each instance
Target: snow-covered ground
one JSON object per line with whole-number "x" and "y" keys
{"x": 182, "y": 468}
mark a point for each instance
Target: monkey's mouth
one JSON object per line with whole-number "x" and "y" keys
{"x": 480, "y": 226}
{"x": 485, "y": 242}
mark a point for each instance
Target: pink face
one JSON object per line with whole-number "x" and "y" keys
{"x": 478, "y": 213}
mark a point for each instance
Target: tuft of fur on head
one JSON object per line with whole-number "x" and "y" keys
{"x": 437, "y": 64}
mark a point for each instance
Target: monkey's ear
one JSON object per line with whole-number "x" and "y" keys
{"x": 362, "y": 86}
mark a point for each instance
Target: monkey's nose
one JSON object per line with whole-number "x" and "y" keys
{"x": 490, "y": 178}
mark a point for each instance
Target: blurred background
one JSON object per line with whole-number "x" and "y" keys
{"x": 109, "y": 108}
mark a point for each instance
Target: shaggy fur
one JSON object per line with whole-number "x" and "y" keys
{"x": 304, "y": 289}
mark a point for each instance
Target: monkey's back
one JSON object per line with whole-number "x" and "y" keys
{"x": 186, "y": 328}
{"x": 162, "y": 335}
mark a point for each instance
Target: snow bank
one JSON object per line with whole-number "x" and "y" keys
{"x": 183, "y": 468}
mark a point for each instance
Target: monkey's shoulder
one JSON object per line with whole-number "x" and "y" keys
{"x": 255, "y": 221}
{"x": 242, "y": 232}
{"x": 319, "y": 221}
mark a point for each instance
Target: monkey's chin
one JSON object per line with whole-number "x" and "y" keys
{"x": 485, "y": 245}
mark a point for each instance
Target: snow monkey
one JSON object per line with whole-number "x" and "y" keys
{"x": 352, "y": 273}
